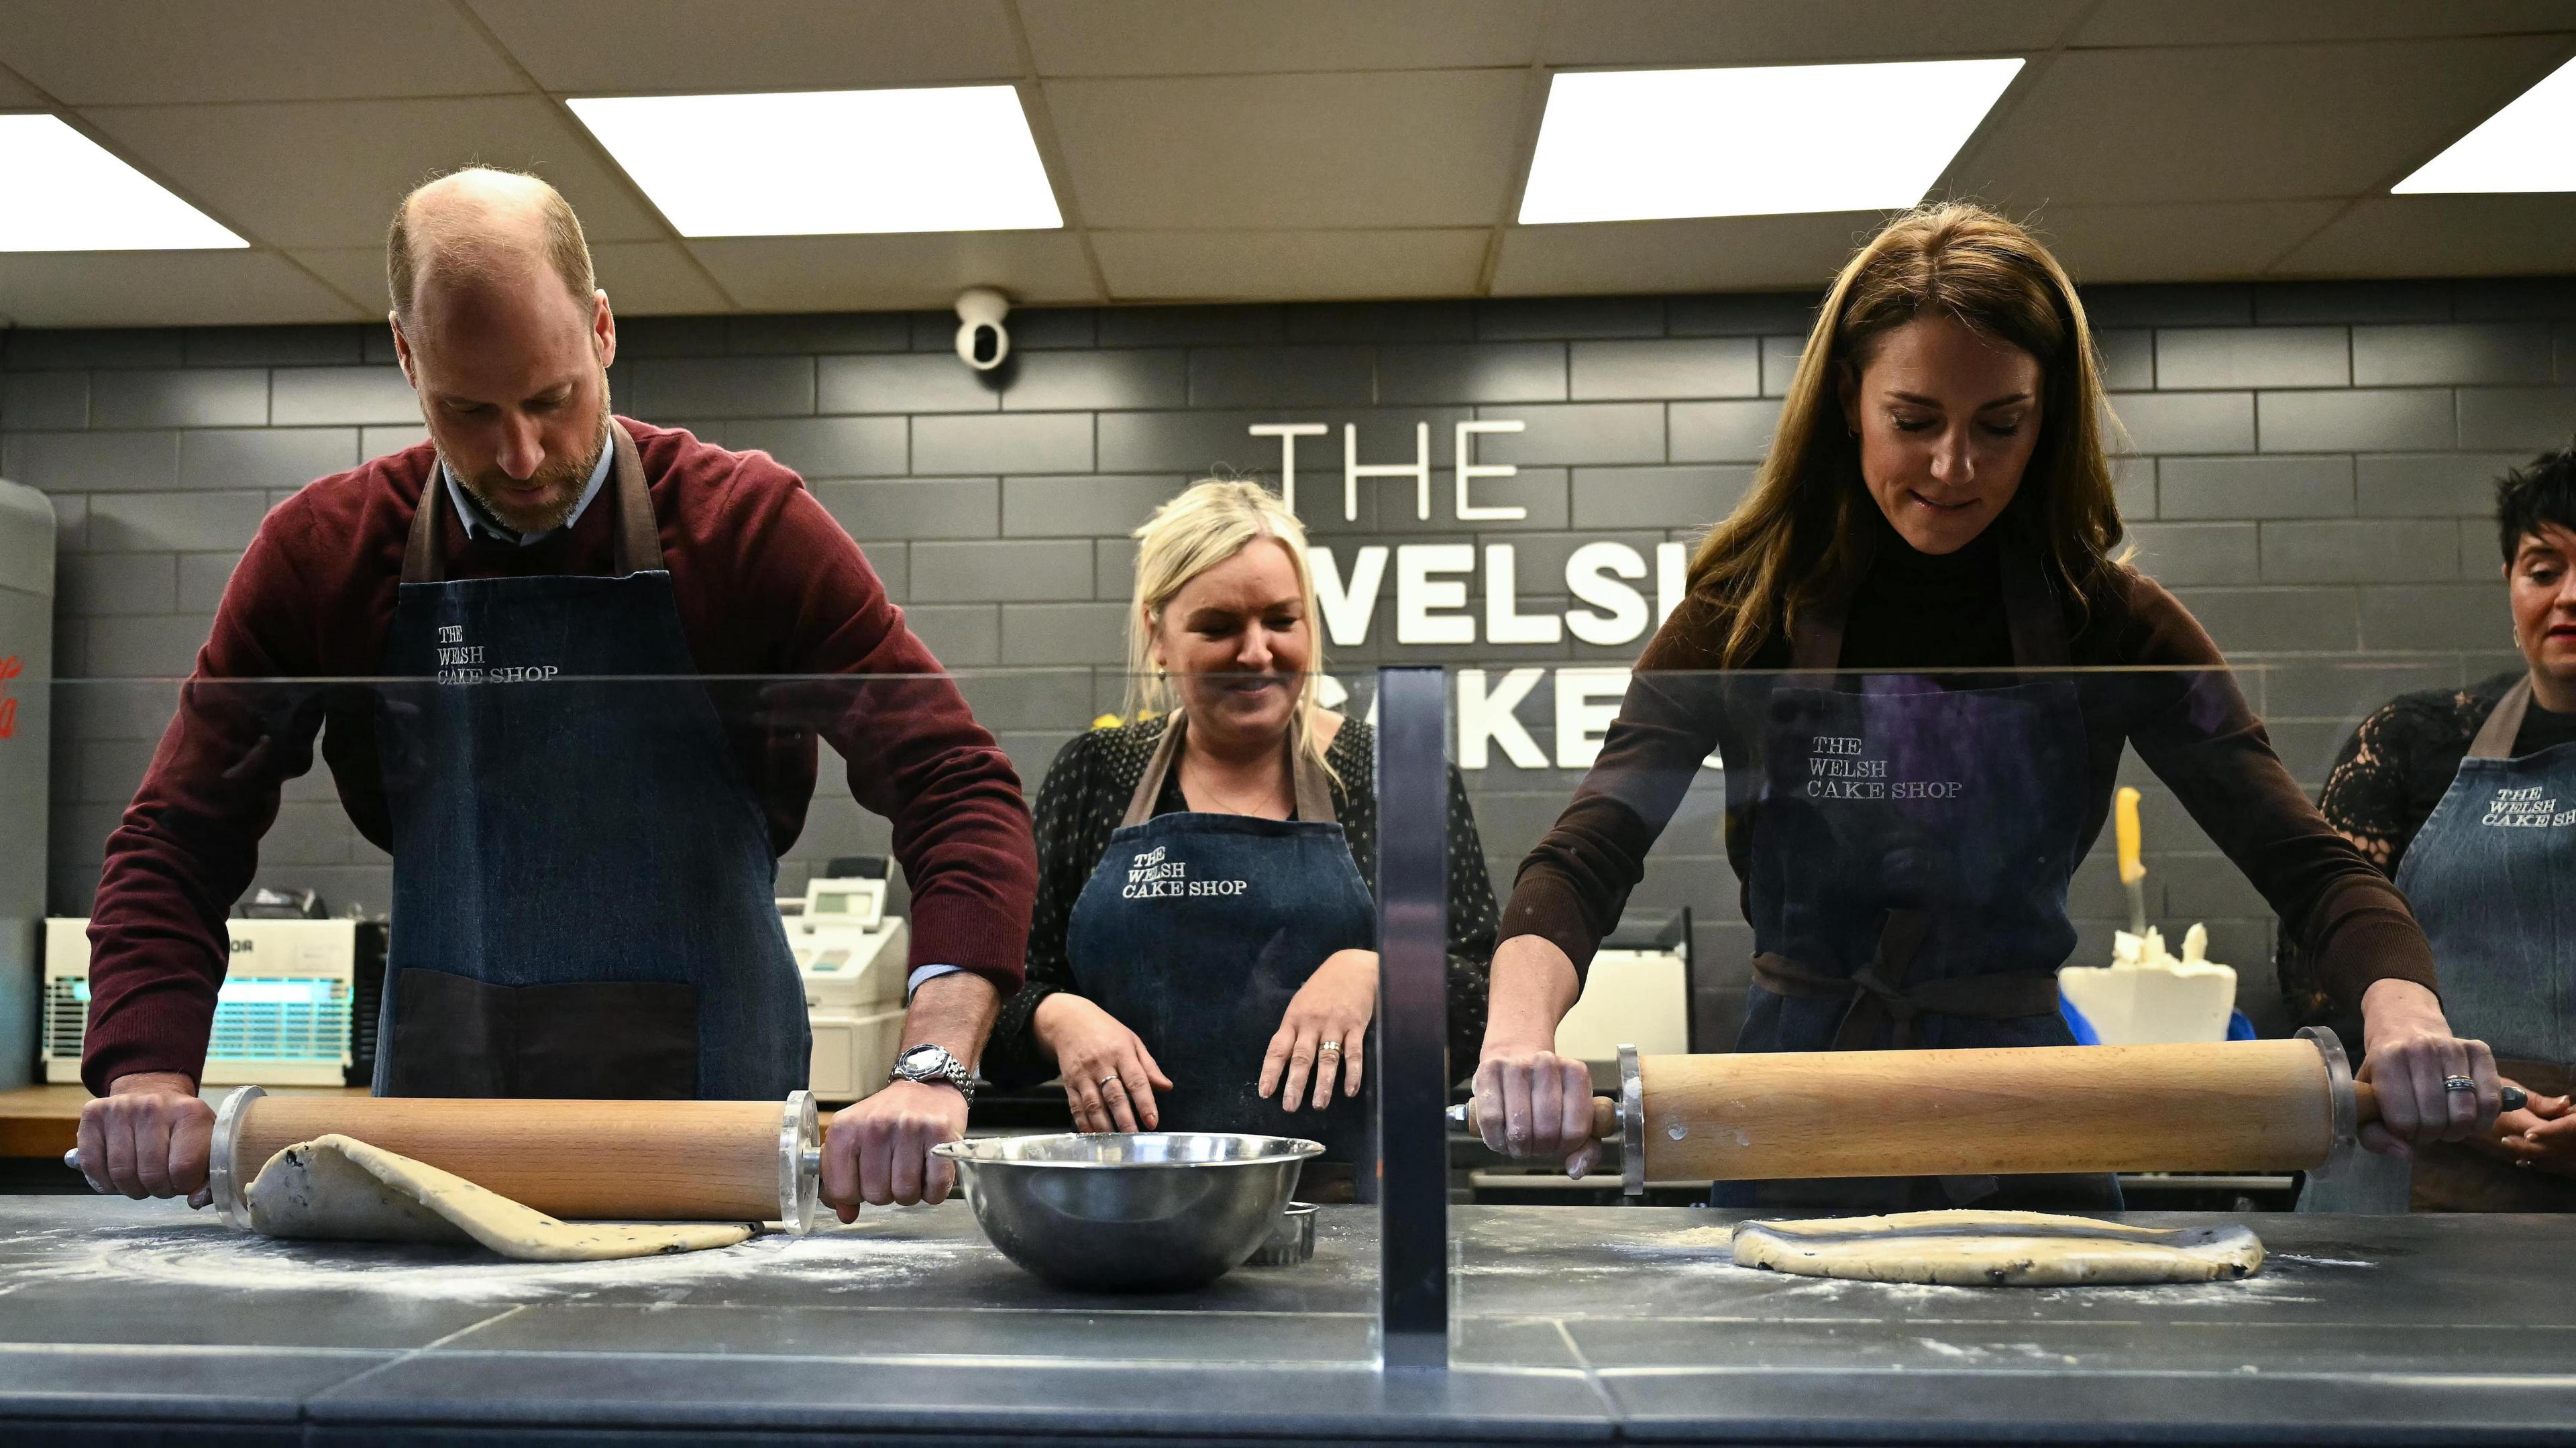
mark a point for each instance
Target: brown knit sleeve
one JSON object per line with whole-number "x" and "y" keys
{"x": 2195, "y": 730}
{"x": 1571, "y": 888}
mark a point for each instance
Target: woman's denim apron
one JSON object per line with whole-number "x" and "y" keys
{"x": 1912, "y": 848}
{"x": 2492, "y": 877}
{"x": 1197, "y": 930}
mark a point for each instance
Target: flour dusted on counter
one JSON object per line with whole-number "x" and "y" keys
{"x": 202, "y": 1252}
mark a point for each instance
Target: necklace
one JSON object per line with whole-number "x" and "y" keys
{"x": 1262, "y": 804}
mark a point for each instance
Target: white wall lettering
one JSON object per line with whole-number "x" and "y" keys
{"x": 1420, "y": 599}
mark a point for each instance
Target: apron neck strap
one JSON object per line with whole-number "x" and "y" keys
{"x": 2496, "y": 736}
{"x": 2030, "y": 609}
{"x": 1313, "y": 792}
{"x": 635, "y": 541}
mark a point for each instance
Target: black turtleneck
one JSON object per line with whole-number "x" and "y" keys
{"x": 2181, "y": 712}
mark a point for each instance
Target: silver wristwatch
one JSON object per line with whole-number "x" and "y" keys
{"x": 933, "y": 1065}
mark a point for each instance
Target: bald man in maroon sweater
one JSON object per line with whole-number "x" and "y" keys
{"x": 583, "y": 870}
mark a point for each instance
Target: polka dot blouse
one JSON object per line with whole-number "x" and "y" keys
{"x": 1084, "y": 797}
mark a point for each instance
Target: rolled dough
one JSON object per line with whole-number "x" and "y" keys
{"x": 339, "y": 1188}
{"x": 1998, "y": 1249}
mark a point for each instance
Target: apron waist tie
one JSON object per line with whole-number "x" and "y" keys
{"x": 1880, "y": 997}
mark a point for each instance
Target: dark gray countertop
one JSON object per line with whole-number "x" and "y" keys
{"x": 1572, "y": 1324}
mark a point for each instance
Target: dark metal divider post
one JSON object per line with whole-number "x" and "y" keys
{"x": 1413, "y": 1017}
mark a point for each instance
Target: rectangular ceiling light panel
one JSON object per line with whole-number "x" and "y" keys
{"x": 1643, "y": 145}
{"x": 2530, "y": 145}
{"x": 953, "y": 158}
{"x": 62, "y": 191}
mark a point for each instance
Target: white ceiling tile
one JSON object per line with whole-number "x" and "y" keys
{"x": 877, "y": 273}
{"x": 619, "y": 47}
{"x": 351, "y": 161}
{"x": 1416, "y": 148}
{"x": 1698, "y": 255}
{"x": 109, "y": 52}
{"x": 2411, "y": 236}
{"x": 2174, "y": 241}
{"x": 2233, "y": 22}
{"x": 163, "y": 289}
{"x": 642, "y": 278}
{"x": 2110, "y": 127}
{"x": 654, "y": 279}
{"x": 1742, "y": 32}
{"x": 1236, "y": 37}
{"x": 1275, "y": 265}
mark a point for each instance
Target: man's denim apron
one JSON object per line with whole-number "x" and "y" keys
{"x": 2492, "y": 877}
{"x": 1197, "y": 930}
{"x": 1912, "y": 848}
{"x": 582, "y": 879}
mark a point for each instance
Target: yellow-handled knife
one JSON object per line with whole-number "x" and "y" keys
{"x": 2133, "y": 872}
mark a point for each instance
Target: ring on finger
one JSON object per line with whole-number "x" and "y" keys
{"x": 1108, "y": 1081}
{"x": 1334, "y": 1047}
{"x": 2459, "y": 1083}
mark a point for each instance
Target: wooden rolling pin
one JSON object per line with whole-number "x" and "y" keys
{"x": 668, "y": 1161}
{"x": 2223, "y": 1106}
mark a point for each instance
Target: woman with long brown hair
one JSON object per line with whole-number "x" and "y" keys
{"x": 1936, "y": 501}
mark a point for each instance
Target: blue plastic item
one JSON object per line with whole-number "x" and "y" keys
{"x": 2085, "y": 1035}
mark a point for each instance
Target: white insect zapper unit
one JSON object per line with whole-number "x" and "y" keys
{"x": 281, "y": 1017}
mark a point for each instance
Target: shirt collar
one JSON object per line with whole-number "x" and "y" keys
{"x": 479, "y": 521}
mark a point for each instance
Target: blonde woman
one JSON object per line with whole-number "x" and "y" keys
{"x": 1203, "y": 953}
{"x": 1936, "y": 499}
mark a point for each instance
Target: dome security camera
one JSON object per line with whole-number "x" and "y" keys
{"x": 981, "y": 341}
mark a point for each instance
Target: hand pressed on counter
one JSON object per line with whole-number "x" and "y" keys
{"x": 1323, "y": 1032}
{"x": 1530, "y": 1101}
{"x": 878, "y": 1151}
{"x": 1109, "y": 1076}
{"x": 148, "y": 1137}
{"x": 2409, "y": 1052}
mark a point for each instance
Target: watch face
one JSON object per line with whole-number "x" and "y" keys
{"x": 921, "y": 1058}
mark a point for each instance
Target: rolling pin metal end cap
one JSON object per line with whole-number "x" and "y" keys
{"x": 1292, "y": 1241}
{"x": 2342, "y": 1104}
{"x": 226, "y": 1177}
{"x": 1632, "y": 1126}
{"x": 800, "y": 1163}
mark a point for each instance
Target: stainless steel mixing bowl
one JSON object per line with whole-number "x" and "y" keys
{"x": 1143, "y": 1212}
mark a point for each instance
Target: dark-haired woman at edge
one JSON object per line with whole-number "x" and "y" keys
{"x": 1937, "y": 500}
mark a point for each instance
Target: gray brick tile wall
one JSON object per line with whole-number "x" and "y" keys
{"x": 318, "y": 396}
{"x": 1072, "y": 381}
{"x": 904, "y": 510}
{"x": 900, "y": 382}
{"x": 2254, "y": 487}
{"x": 199, "y": 397}
{"x": 2464, "y": 354}
{"x": 1714, "y": 367}
{"x": 1484, "y": 372}
{"x": 1084, "y": 505}
{"x": 2347, "y": 552}
{"x": 2224, "y": 357}
{"x": 1307, "y": 376}
{"x": 245, "y": 458}
{"x": 1039, "y": 442}
{"x": 2526, "y": 419}
{"x": 2209, "y": 422}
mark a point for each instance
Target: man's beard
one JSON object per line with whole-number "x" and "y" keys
{"x": 558, "y": 489}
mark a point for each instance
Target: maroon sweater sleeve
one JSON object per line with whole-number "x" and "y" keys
{"x": 914, "y": 751}
{"x": 188, "y": 845}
